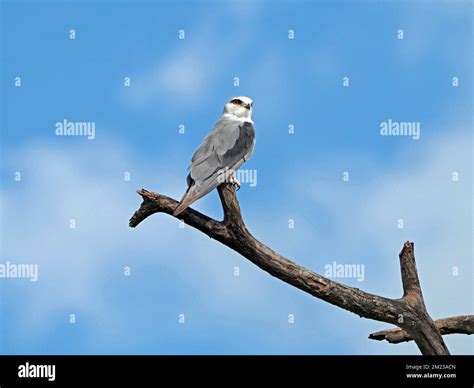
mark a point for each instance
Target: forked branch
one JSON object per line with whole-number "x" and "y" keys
{"x": 463, "y": 324}
{"x": 408, "y": 313}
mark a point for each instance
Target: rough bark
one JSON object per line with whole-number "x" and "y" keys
{"x": 463, "y": 324}
{"x": 408, "y": 313}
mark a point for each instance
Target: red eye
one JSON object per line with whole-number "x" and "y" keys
{"x": 236, "y": 101}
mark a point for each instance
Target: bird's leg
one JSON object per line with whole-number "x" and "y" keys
{"x": 234, "y": 181}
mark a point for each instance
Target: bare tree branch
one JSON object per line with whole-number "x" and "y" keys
{"x": 157, "y": 203}
{"x": 408, "y": 313}
{"x": 233, "y": 233}
{"x": 420, "y": 326}
{"x": 463, "y": 324}
{"x": 410, "y": 281}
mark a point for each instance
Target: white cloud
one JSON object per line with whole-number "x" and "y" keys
{"x": 77, "y": 265}
{"x": 195, "y": 63}
{"x": 184, "y": 75}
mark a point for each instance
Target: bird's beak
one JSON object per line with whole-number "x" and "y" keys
{"x": 248, "y": 106}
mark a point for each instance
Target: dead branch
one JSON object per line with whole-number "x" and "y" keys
{"x": 463, "y": 324}
{"x": 408, "y": 313}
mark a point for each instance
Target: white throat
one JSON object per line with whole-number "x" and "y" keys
{"x": 244, "y": 119}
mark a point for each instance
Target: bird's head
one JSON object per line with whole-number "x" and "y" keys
{"x": 240, "y": 107}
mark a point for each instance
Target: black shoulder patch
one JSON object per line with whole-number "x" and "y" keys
{"x": 248, "y": 128}
{"x": 242, "y": 145}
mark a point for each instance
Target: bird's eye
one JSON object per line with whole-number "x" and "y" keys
{"x": 236, "y": 101}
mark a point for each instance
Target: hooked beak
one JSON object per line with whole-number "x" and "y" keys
{"x": 248, "y": 106}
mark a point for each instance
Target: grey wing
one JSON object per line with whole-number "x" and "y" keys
{"x": 227, "y": 146}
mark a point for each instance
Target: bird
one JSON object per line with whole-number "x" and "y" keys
{"x": 222, "y": 152}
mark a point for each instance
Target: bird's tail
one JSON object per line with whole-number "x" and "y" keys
{"x": 189, "y": 197}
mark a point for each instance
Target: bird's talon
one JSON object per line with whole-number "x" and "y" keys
{"x": 235, "y": 182}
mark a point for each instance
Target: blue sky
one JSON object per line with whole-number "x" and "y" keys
{"x": 186, "y": 82}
